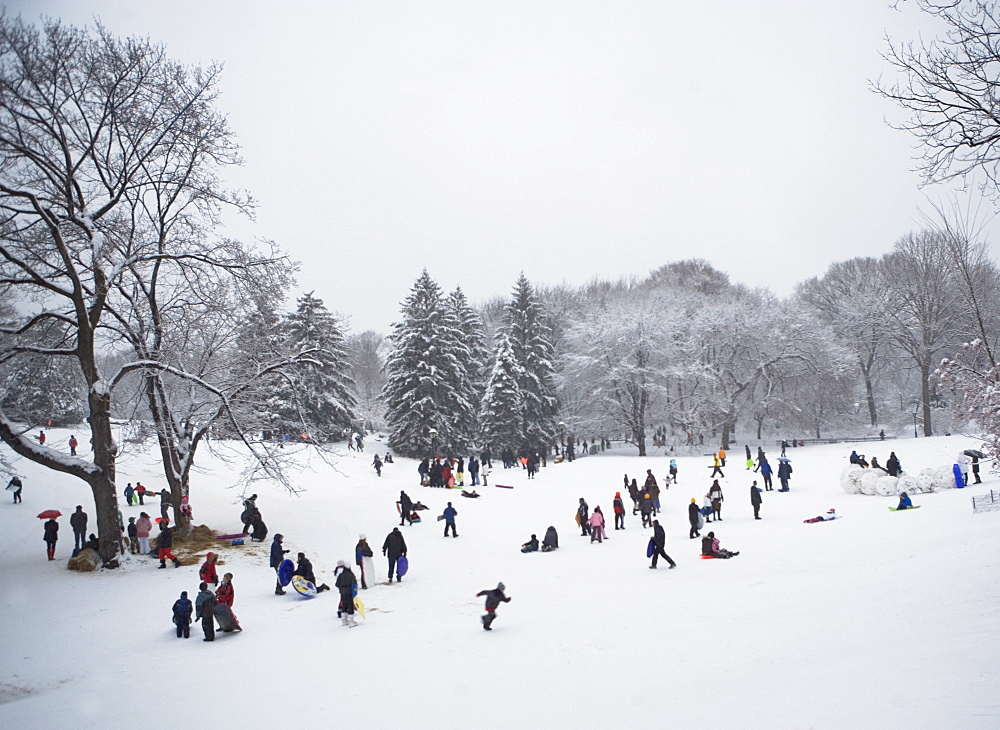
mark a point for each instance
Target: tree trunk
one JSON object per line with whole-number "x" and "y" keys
{"x": 870, "y": 395}
{"x": 725, "y": 434}
{"x": 925, "y": 395}
{"x": 102, "y": 481}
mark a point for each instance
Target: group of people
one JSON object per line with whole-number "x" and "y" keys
{"x": 892, "y": 466}
{"x": 208, "y": 607}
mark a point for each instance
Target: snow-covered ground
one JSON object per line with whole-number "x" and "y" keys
{"x": 880, "y": 619}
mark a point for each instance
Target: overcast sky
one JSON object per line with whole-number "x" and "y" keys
{"x": 570, "y": 140}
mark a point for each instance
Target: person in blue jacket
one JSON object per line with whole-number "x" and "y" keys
{"x": 904, "y": 501}
{"x": 182, "y": 615}
{"x": 784, "y": 474}
{"x": 277, "y": 555}
{"x": 450, "y": 513}
{"x": 765, "y": 472}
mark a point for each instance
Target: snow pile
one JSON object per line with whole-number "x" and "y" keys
{"x": 942, "y": 477}
{"x": 858, "y": 480}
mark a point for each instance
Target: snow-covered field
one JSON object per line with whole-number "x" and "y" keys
{"x": 877, "y": 620}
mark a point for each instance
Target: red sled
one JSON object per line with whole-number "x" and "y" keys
{"x": 234, "y": 536}
{"x": 708, "y": 557}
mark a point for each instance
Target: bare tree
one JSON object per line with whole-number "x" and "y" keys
{"x": 950, "y": 89}
{"x": 367, "y": 357}
{"x": 107, "y": 178}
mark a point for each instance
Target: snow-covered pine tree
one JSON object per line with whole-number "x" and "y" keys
{"x": 427, "y": 383}
{"x": 319, "y": 393}
{"x": 474, "y": 339}
{"x": 532, "y": 348}
{"x": 501, "y": 415}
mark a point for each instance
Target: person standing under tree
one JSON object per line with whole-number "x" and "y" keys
{"x": 72, "y": 445}
{"x": 78, "y": 521}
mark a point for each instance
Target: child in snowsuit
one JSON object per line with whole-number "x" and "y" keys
{"x": 182, "y": 615}
{"x": 164, "y": 542}
{"x": 347, "y": 584}
{"x": 207, "y": 571}
{"x": 204, "y": 606}
{"x": 133, "y": 536}
{"x": 493, "y": 598}
{"x": 597, "y": 526}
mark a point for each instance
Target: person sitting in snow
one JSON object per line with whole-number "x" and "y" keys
{"x": 530, "y": 546}
{"x": 551, "y": 540}
{"x": 304, "y": 568}
{"x": 904, "y": 501}
{"x": 710, "y": 547}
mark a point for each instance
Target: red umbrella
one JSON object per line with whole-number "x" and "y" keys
{"x": 49, "y": 514}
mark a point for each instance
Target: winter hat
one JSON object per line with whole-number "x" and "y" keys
{"x": 501, "y": 586}
{"x": 693, "y": 500}
{"x": 646, "y": 495}
{"x": 341, "y": 564}
{"x": 618, "y": 494}
{"x": 831, "y": 510}
{"x": 362, "y": 536}
{"x": 184, "y": 594}
{"x": 449, "y": 504}
{"x": 711, "y": 534}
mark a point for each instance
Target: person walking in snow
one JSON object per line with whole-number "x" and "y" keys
{"x": 694, "y": 517}
{"x": 619, "y": 508}
{"x": 755, "y": 500}
{"x": 673, "y": 470}
{"x": 716, "y": 467}
{"x": 450, "y": 513}
{"x": 78, "y": 521}
{"x": 646, "y": 509}
{"x": 765, "y": 472}
{"x": 129, "y": 494}
{"x": 204, "y": 606}
{"x": 583, "y": 517}
{"x": 659, "y": 542}
{"x": 140, "y": 492}
{"x": 277, "y": 556}
{"x": 633, "y": 492}
{"x": 347, "y": 584}
{"x": 182, "y": 610}
{"x": 377, "y": 463}
{"x": 597, "y": 525}
{"x": 394, "y": 548}
{"x": 51, "y": 537}
{"x": 361, "y": 551}
{"x": 17, "y": 486}
{"x": 494, "y": 597}
{"x": 405, "y": 509}
{"x": 715, "y": 492}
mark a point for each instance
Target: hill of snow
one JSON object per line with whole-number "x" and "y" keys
{"x": 879, "y": 619}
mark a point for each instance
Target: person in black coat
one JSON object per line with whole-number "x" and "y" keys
{"x": 892, "y": 465}
{"x": 394, "y": 548}
{"x": 405, "y": 509}
{"x": 17, "y": 486}
{"x": 304, "y": 568}
{"x": 494, "y": 597}
{"x": 78, "y": 521}
{"x": 51, "y": 536}
{"x": 659, "y": 541}
{"x": 693, "y": 517}
{"x": 755, "y": 500}
{"x": 551, "y": 540}
{"x": 277, "y": 556}
{"x": 347, "y": 585}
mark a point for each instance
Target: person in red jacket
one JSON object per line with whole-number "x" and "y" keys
{"x": 224, "y": 598}
{"x": 140, "y": 492}
{"x": 207, "y": 571}
{"x": 619, "y": 506}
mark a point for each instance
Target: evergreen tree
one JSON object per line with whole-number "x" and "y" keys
{"x": 501, "y": 415}
{"x": 427, "y": 385}
{"x": 532, "y": 350}
{"x": 318, "y": 394}
{"x": 474, "y": 339}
